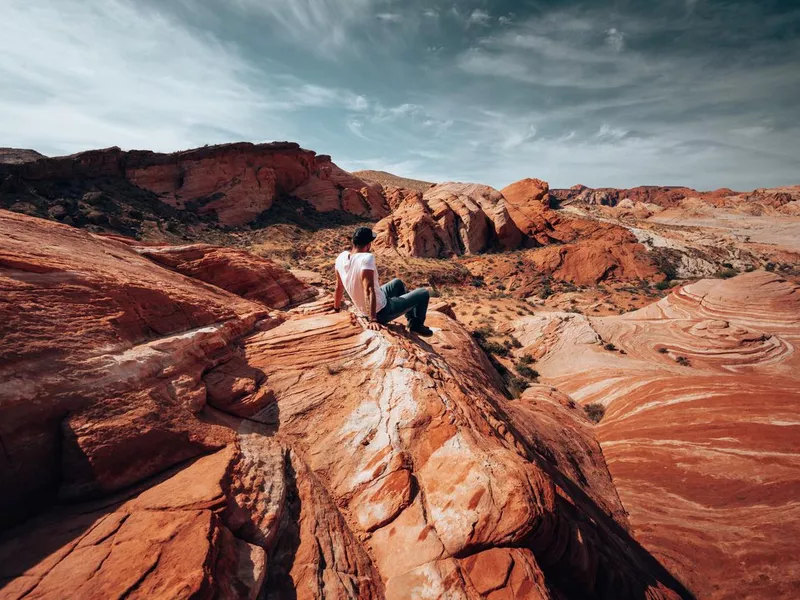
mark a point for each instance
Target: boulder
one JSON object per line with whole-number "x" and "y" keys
{"x": 236, "y": 271}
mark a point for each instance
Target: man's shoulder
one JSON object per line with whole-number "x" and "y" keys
{"x": 367, "y": 259}
{"x": 342, "y": 256}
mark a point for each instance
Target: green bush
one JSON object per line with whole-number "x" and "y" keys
{"x": 525, "y": 371}
{"x": 595, "y": 411}
{"x": 683, "y": 361}
{"x": 662, "y": 350}
{"x": 526, "y": 359}
{"x": 664, "y": 285}
{"x": 610, "y": 347}
{"x": 727, "y": 273}
{"x": 492, "y": 347}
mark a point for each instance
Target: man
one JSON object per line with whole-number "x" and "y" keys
{"x": 356, "y": 272}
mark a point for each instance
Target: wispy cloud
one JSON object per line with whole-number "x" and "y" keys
{"x": 356, "y": 127}
{"x": 78, "y": 73}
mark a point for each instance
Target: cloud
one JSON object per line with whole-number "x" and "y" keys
{"x": 479, "y": 17}
{"x": 78, "y": 75}
{"x": 356, "y": 128}
{"x": 389, "y": 17}
{"x": 321, "y": 25}
{"x": 615, "y": 39}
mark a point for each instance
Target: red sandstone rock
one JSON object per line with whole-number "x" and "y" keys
{"x": 330, "y": 188}
{"x": 700, "y": 430}
{"x": 233, "y": 270}
{"x": 368, "y": 465}
{"x": 450, "y": 218}
{"x": 236, "y": 181}
{"x": 91, "y": 328}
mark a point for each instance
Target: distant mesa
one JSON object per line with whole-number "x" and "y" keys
{"x": 388, "y": 180}
{"x": 16, "y": 156}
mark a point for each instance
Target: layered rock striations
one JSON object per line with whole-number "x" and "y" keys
{"x": 236, "y": 271}
{"x": 209, "y": 445}
{"x": 702, "y": 416}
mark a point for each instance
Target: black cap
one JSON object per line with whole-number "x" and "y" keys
{"x": 363, "y": 236}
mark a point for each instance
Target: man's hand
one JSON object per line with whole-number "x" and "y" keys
{"x": 373, "y": 326}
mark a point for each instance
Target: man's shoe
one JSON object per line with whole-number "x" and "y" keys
{"x": 421, "y": 330}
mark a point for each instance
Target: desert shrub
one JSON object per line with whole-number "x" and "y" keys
{"x": 749, "y": 269}
{"x": 770, "y": 266}
{"x": 727, "y": 265}
{"x": 516, "y": 385}
{"x": 484, "y": 331}
{"x": 595, "y": 411}
{"x": 527, "y": 359}
{"x": 683, "y": 361}
{"x": 515, "y": 343}
{"x": 491, "y": 347}
{"x": 727, "y": 273}
{"x": 664, "y": 285}
{"x": 662, "y": 350}
{"x": 610, "y": 347}
{"x": 525, "y": 371}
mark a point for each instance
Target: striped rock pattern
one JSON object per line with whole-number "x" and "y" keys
{"x": 702, "y": 424}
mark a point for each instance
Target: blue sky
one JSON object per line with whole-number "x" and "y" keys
{"x": 691, "y": 92}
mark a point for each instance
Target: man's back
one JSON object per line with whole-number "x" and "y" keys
{"x": 350, "y": 266}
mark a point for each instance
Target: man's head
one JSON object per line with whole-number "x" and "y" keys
{"x": 362, "y": 238}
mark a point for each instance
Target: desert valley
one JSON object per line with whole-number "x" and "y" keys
{"x": 609, "y": 406}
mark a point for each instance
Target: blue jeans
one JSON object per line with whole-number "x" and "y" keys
{"x": 414, "y": 305}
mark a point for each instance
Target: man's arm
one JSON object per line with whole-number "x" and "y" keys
{"x": 368, "y": 281}
{"x": 339, "y": 294}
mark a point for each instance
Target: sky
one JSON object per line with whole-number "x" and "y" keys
{"x": 703, "y": 93}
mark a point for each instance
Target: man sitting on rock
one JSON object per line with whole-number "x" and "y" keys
{"x": 357, "y": 273}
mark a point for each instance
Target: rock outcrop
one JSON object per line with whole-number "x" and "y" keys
{"x": 234, "y": 182}
{"x": 461, "y": 219}
{"x": 702, "y": 416}
{"x": 449, "y": 219}
{"x": 664, "y": 196}
{"x": 210, "y": 446}
{"x": 236, "y": 271}
{"x": 782, "y": 200}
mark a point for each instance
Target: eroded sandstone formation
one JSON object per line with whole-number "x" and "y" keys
{"x": 234, "y": 182}
{"x": 461, "y": 219}
{"x": 208, "y": 445}
{"x": 236, "y": 271}
{"x": 702, "y": 424}
{"x": 449, "y": 219}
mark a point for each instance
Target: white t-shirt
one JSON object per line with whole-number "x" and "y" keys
{"x": 349, "y": 267}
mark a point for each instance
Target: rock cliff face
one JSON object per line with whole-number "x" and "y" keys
{"x": 209, "y": 445}
{"x": 781, "y": 200}
{"x": 235, "y": 182}
{"x": 664, "y": 196}
{"x": 701, "y": 425}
